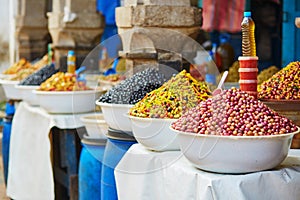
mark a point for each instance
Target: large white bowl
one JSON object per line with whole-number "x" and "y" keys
{"x": 154, "y": 133}
{"x": 95, "y": 125}
{"x": 7, "y": 76}
{"x": 9, "y": 89}
{"x": 27, "y": 94}
{"x": 67, "y": 102}
{"x": 115, "y": 116}
{"x": 234, "y": 154}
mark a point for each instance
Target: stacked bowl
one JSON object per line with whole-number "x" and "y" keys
{"x": 152, "y": 116}
{"x": 117, "y": 101}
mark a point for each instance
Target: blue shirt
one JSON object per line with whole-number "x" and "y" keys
{"x": 107, "y": 8}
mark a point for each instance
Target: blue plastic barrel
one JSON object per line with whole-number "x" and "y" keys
{"x": 5, "y": 147}
{"x": 90, "y": 165}
{"x": 9, "y": 112}
{"x": 117, "y": 145}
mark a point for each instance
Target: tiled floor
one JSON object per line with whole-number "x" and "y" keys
{"x": 2, "y": 185}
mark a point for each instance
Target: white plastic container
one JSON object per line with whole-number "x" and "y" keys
{"x": 154, "y": 133}
{"x": 67, "y": 102}
{"x": 95, "y": 125}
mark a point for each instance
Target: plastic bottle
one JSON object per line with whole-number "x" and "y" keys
{"x": 50, "y": 54}
{"x": 103, "y": 60}
{"x": 226, "y": 53}
{"x": 71, "y": 62}
{"x": 248, "y": 38}
{"x": 216, "y": 55}
{"x": 210, "y": 75}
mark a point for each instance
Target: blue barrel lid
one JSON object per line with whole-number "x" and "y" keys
{"x": 93, "y": 141}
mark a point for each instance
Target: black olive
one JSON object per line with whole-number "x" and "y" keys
{"x": 133, "y": 89}
{"x": 39, "y": 76}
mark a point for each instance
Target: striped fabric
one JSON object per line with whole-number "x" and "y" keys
{"x": 223, "y": 15}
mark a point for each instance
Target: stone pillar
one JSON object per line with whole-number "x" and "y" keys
{"x": 74, "y": 25}
{"x": 152, "y": 27}
{"x": 31, "y": 32}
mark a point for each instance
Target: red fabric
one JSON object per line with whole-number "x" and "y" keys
{"x": 223, "y": 15}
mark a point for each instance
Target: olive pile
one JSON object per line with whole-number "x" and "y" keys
{"x": 112, "y": 77}
{"x": 24, "y": 68}
{"x": 16, "y": 67}
{"x": 233, "y": 73}
{"x": 233, "y": 113}
{"x": 61, "y": 81}
{"x": 133, "y": 89}
{"x": 266, "y": 74}
{"x": 173, "y": 98}
{"x": 39, "y": 76}
{"x": 285, "y": 84}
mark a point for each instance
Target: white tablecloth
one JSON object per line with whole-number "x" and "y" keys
{"x": 143, "y": 174}
{"x": 30, "y": 173}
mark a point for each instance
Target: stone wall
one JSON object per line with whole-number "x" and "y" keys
{"x": 74, "y": 27}
{"x": 31, "y": 33}
{"x": 156, "y": 26}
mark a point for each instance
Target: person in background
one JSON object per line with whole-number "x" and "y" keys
{"x": 107, "y": 8}
{"x": 109, "y": 38}
{"x": 223, "y": 18}
{"x": 268, "y": 19}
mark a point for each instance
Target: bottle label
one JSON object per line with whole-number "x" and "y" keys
{"x": 71, "y": 64}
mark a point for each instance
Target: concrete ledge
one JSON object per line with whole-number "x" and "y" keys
{"x": 158, "y": 16}
{"x": 157, "y": 2}
{"x": 83, "y": 20}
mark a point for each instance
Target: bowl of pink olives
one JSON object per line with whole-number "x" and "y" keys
{"x": 235, "y": 133}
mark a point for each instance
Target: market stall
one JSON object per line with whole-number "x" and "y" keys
{"x": 196, "y": 138}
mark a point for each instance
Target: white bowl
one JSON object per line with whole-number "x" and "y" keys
{"x": 91, "y": 80}
{"x": 7, "y": 76}
{"x": 234, "y": 154}
{"x": 66, "y": 102}
{"x": 154, "y": 133}
{"x": 27, "y": 94}
{"x": 9, "y": 89}
{"x": 115, "y": 116}
{"x": 95, "y": 125}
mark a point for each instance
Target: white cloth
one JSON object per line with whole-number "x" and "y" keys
{"x": 143, "y": 174}
{"x": 30, "y": 173}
